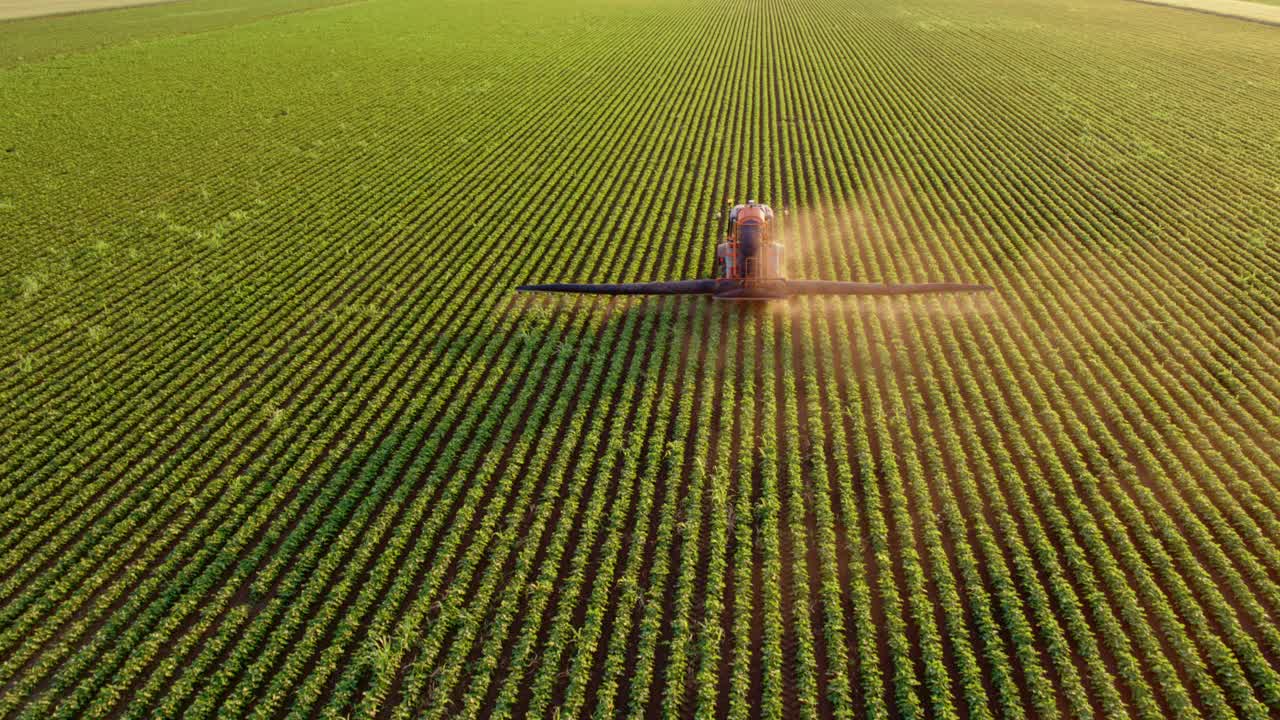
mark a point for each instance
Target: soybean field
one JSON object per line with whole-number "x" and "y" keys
{"x": 278, "y": 439}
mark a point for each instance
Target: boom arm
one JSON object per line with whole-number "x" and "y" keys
{"x": 678, "y": 287}
{"x": 767, "y": 289}
{"x": 835, "y": 287}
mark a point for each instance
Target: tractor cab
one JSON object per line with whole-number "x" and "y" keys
{"x": 748, "y": 253}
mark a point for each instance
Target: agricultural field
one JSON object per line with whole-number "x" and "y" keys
{"x": 278, "y": 439}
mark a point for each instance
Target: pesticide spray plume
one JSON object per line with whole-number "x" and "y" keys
{"x": 846, "y": 239}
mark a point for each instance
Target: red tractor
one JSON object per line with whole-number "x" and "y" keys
{"x": 749, "y": 267}
{"x": 749, "y": 253}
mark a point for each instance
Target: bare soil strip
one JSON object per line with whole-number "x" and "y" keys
{"x": 13, "y": 9}
{"x": 1239, "y": 9}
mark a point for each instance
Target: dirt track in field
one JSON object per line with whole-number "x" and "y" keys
{"x": 1240, "y": 9}
{"x": 13, "y": 9}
